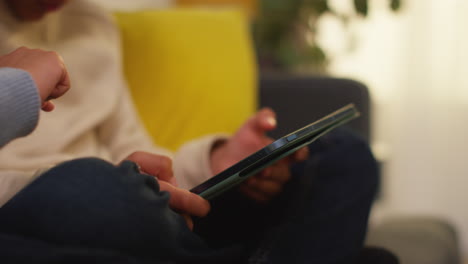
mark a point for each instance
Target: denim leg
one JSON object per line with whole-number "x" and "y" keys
{"x": 321, "y": 217}
{"x": 88, "y": 206}
{"x": 326, "y": 208}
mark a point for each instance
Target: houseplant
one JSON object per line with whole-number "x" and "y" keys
{"x": 285, "y": 30}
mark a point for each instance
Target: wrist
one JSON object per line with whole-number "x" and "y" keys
{"x": 216, "y": 154}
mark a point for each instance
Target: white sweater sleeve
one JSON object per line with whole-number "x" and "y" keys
{"x": 19, "y": 104}
{"x": 192, "y": 164}
{"x": 120, "y": 130}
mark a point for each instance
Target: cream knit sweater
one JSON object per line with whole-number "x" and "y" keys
{"x": 96, "y": 117}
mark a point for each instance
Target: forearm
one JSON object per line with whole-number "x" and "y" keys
{"x": 19, "y": 104}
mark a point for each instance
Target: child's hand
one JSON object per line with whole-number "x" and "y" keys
{"x": 251, "y": 137}
{"x": 181, "y": 201}
{"x": 46, "y": 69}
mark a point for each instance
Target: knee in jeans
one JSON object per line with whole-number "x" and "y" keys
{"x": 347, "y": 159}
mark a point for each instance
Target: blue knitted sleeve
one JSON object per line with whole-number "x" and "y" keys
{"x": 19, "y": 104}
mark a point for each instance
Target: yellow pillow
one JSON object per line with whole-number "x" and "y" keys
{"x": 191, "y": 72}
{"x": 250, "y": 7}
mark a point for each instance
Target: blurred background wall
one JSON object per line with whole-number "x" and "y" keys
{"x": 416, "y": 65}
{"x": 415, "y": 62}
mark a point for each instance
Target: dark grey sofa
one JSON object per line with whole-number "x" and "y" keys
{"x": 298, "y": 100}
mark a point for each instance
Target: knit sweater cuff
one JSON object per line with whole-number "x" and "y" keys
{"x": 192, "y": 161}
{"x": 19, "y": 104}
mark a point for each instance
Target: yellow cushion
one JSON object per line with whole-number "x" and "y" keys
{"x": 191, "y": 71}
{"x": 250, "y": 7}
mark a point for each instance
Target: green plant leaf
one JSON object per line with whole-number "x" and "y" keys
{"x": 395, "y": 5}
{"x": 275, "y": 31}
{"x": 319, "y": 6}
{"x": 316, "y": 55}
{"x": 362, "y": 7}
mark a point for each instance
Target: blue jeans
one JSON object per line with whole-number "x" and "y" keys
{"x": 90, "y": 211}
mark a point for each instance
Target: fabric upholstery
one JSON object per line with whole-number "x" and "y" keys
{"x": 191, "y": 71}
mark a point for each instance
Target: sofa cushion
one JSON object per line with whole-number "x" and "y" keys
{"x": 191, "y": 71}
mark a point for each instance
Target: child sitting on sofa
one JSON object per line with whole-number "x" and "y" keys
{"x": 92, "y": 207}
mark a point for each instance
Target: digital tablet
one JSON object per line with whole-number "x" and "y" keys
{"x": 280, "y": 148}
